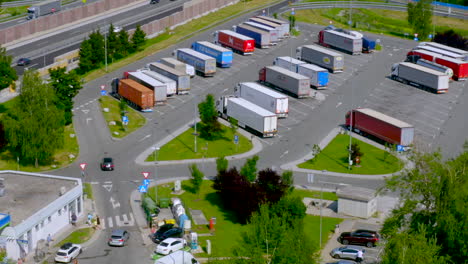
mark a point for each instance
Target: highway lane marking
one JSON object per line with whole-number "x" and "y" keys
{"x": 145, "y": 137}
{"x": 88, "y": 119}
{"x": 107, "y": 186}
{"x": 338, "y": 104}
{"x": 284, "y": 154}
{"x": 94, "y": 183}
{"x": 297, "y": 111}
{"x": 85, "y": 111}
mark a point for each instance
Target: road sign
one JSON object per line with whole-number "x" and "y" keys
{"x": 430, "y": 36}
{"x": 103, "y": 87}
{"x": 146, "y": 182}
{"x": 103, "y": 92}
{"x": 416, "y": 39}
{"x": 400, "y": 148}
{"x": 145, "y": 174}
{"x": 125, "y": 119}
{"x": 83, "y": 166}
{"x": 236, "y": 139}
{"x": 23, "y": 241}
{"x": 143, "y": 188}
{"x": 292, "y": 11}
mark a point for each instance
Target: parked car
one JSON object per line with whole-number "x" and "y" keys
{"x": 68, "y": 252}
{"x": 346, "y": 252}
{"x": 361, "y": 236}
{"x": 163, "y": 229}
{"x": 173, "y": 232}
{"x": 119, "y": 237}
{"x": 107, "y": 164}
{"x": 344, "y": 262}
{"x": 169, "y": 245}
{"x": 23, "y": 62}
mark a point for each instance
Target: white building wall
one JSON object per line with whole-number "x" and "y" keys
{"x": 355, "y": 207}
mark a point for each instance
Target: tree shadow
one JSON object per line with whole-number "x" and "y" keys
{"x": 188, "y": 188}
{"x": 216, "y": 200}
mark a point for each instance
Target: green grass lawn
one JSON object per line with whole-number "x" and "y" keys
{"x": 182, "y": 147}
{"x": 78, "y": 236}
{"x": 228, "y": 230}
{"x": 388, "y": 22}
{"x": 315, "y": 194}
{"x": 335, "y": 158}
{"x": 88, "y": 190}
{"x": 136, "y": 120}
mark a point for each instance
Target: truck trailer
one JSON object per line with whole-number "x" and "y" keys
{"x": 370, "y": 122}
{"x": 137, "y": 95}
{"x": 435, "y": 66}
{"x": 178, "y": 65}
{"x": 274, "y": 32}
{"x": 171, "y": 85}
{"x": 237, "y": 42}
{"x": 322, "y": 57}
{"x": 341, "y": 41}
{"x": 262, "y": 38}
{"x": 284, "y": 24}
{"x": 442, "y": 52}
{"x": 281, "y": 32}
{"x": 459, "y": 67}
{"x": 284, "y": 80}
{"x": 318, "y": 75}
{"x": 248, "y": 115}
{"x": 222, "y": 55}
{"x": 447, "y": 48}
{"x": 263, "y": 97}
{"x": 44, "y": 8}
{"x": 368, "y": 44}
{"x": 425, "y": 78}
{"x": 288, "y": 63}
{"x": 182, "y": 79}
{"x": 203, "y": 64}
{"x": 159, "y": 89}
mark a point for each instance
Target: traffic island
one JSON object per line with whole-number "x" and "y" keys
{"x": 111, "y": 110}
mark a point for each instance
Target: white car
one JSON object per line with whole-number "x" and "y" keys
{"x": 169, "y": 245}
{"x": 68, "y": 252}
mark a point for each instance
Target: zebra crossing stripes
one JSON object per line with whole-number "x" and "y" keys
{"x": 118, "y": 221}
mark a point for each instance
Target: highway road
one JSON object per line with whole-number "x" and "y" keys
{"x": 363, "y": 83}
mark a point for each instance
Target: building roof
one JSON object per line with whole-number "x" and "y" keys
{"x": 28, "y": 193}
{"x": 356, "y": 193}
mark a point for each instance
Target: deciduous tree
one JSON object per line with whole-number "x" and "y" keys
{"x": 86, "y": 53}
{"x": 249, "y": 170}
{"x": 7, "y": 73}
{"x": 221, "y": 164}
{"x": 452, "y": 39}
{"x": 420, "y": 18}
{"x": 210, "y": 128}
{"x": 197, "y": 177}
{"x": 66, "y": 87}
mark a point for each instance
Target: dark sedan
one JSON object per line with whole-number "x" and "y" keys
{"x": 23, "y": 62}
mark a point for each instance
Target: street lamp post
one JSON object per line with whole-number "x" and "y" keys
{"x": 321, "y": 204}
{"x": 155, "y": 175}
{"x": 105, "y": 49}
{"x": 195, "y": 125}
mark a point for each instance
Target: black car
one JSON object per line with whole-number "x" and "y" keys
{"x": 154, "y": 2}
{"x": 173, "y": 232}
{"x": 107, "y": 164}
{"x": 23, "y": 62}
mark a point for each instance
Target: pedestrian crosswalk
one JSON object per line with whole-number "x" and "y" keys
{"x": 117, "y": 221}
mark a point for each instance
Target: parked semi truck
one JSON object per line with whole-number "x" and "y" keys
{"x": 178, "y": 65}
{"x": 420, "y": 76}
{"x": 447, "y": 48}
{"x": 237, "y": 42}
{"x": 318, "y": 75}
{"x": 288, "y": 63}
{"x": 368, "y": 44}
{"x": 430, "y": 64}
{"x": 222, "y": 55}
{"x": 284, "y": 24}
{"x": 274, "y": 32}
{"x": 182, "y": 79}
{"x": 322, "y": 57}
{"x": 341, "y": 41}
{"x": 248, "y": 115}
{"x": 137, "y": 95}
{"x": 281, "y": 32}
{"x": 459, "y": 67}
{"x": 263, "y": 97}
{"x": 442, "y": 52}
{"x": 370, "y": 122}
{"x": 262, "y": 38}
{"x": 159, "y": 89}
{"x": 285, "y": 80}
{"x": 171, "y": 85}
{"x": 44, "y": 8}
{"x": 203, "y": 64}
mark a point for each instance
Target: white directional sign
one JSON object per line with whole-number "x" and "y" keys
{"x": 145, "y": 174}
{"x": 143, "y": 188}
{"x": 83, "y": 166}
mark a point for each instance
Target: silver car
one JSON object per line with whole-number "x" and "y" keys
{"x": 347, "y": 252}
{"x": 119, "y": 237}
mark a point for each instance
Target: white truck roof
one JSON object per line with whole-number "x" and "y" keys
{"x": 422, "y": 68}
{"x": 323, "y": 50}
{"x": 291, "y": 60}
{"x": 383, "y": 117}
{"x": 151, "y": 81}
{"x": 288, "y": 72}
{"x": 257, "y": 109}
{"x": 196, "y": 54}
{"x": 235, "y": 34}
{"x": 266, "y": 90}
{"x": 343, "y": 34}
{"x": 312, "y": 67}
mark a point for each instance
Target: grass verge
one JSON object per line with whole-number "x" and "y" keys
{"x": 78, "y": 236}
{"x": 228, "y": 230}
{"x": 88, "y": 190}
{"x": 183, "y": 146}
{"x": 136, "y": 120}
{"x": 335, "y": 158}
{"x": 387, "y": 22}
{"x": 315, "y": 194}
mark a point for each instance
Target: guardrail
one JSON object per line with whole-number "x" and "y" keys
{"x": 30, "y": 2}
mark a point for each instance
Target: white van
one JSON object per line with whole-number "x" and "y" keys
{"x": 178, "y": 257}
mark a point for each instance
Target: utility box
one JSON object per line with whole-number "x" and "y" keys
{"x": 357, "y": 201}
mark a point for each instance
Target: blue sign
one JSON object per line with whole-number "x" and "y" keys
{"x": 23, "y": 241}
{"x": 293, "y": 13}
{"x": 400, "y": 148}
{"x": 236, "y": 139}
{"x": 143, "y": 188}
{"x": 125, "y": 119}
{"x": 103, "y": 92}
{"x": 430, "y": 36}
{"x": 146, "y": 182}
{"x": 416, "y": 39}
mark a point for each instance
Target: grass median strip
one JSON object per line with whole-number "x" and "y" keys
{"x": 136, "y": 120}
{"x": 78, "y": 236}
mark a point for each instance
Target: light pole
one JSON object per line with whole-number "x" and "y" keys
{"x": 321, "y": 204}
{"x": 155, "y": 175}
{"x": 195, "y": 125}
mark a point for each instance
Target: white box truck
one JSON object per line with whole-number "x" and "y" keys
{"x": 263, "y": 97}
{"x": 171, "y": 85}
{"x": 425, "y": 78}
{"x": 288, "y": 63}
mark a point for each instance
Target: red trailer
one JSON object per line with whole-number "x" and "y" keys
{"x": 240, "y": 43}
{"x": 386, "y": 128}
{"x": 459, "y": 67}
{"x": 137, "y": 94}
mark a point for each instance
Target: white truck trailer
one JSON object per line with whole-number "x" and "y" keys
{"x": 425, "y": 78}
{"x": 263, "y": 97}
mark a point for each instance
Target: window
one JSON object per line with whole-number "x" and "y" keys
{"x": 59, "y": 212}
{"x": 42, "y": 224}
{"x": 49, "y": 219}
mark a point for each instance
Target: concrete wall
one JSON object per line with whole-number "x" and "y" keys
{"x": 357, "y": 208}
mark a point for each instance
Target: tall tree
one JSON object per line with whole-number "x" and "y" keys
{"x": 66, "y": 86}
{"x": 34, "y": 126}
{"x": 86, "y": 53}
{"x": 124, "y": 45}
{"x": 270, "y": 186}
{"x": 138, "y": 38}
{"x": 221, "y": 164}
{"x": 210, "y": 128}
{"x": 452, "y": 39}
{"x": 420, "y": 18}
{"x": 7, "y": 73}
{"x": 249, "y": 170}
{"x": 112, "y": 42}
{"x": 96, "y": 39}
{"x": 197, "y": 177}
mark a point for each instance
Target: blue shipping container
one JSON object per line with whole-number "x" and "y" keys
{"x": 368, "y": 44}
{"x": 223, "y": 56}
{"x": 322, "y": 78}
